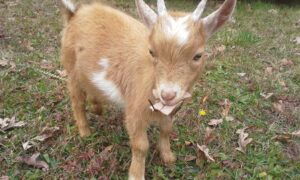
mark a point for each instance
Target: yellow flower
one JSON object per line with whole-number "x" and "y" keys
{"x": 202, "y": 112}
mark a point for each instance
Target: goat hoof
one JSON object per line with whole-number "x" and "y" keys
{"x": 168, "y": 158}
{"x": 84, "y": 132}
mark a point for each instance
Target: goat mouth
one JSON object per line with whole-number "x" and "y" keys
{"x": 165, "y": 108}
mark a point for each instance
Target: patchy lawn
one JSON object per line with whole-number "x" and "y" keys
{"x": 254, "y": 64}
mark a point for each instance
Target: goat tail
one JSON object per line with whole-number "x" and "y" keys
{"x": 69, "y": 9}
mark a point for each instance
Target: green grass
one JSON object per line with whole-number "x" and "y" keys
{"x": 258, "y": 39}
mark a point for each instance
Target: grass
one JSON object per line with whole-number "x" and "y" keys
{"x": 258, "y": 39}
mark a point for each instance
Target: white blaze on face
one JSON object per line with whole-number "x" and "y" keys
{"x": 177, "y": 28}
{"x": 107, "y": 87}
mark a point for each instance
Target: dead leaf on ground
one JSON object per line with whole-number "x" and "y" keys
{"x": 204, "y": 99}
{"x": 287, "y": 62}
{"x": 104, "y": 154}
{"x": 10, "y": 123}
{"x": 33, "y": 161}
{"x": 273, "y": 11}
{"x": 282, "y": 83}
{"x": 229, "y": 118}
{"x": 28, "y": 45}
{"x": 269, "y": 70}
{"x": 243, "y": 140}
{"x": 297, "y": 40}
{"x": 216, "y": 50}
{"x": 3, "y": 62}
{"x": 296, "y": 133}
{"x": 221, "y": 48}
{"x": 226, "y": 107}
{"x": 230, "y": 164}
{"x": 28, "y": 144}
{"x": 188, "y": 143}
{"x": 4, "y": 178}
{"x": 292, "y": 151}
{"x": 215, "y": 122}
{"x": 46, "y": 65}
{"x": 189, "y": 158}
{"x": 62, "y": 73}
{"x": 241, "y": 74}
{"x": 284, "y": 138}
{"x": 209, "y": 135}
{"x": 279, "y": 106}
{"x": 266, "y": 96}
{"x": 47, "y": 133}
{"x": 205, "y": 151}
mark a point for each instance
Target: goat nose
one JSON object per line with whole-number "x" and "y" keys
{"x": 168, "y": 95}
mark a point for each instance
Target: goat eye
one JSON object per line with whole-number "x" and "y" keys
{"x": 197, "y": 57}
{"x": 151, "y": 52}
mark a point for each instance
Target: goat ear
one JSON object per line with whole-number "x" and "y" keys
{"x": 217, "y": 19}
{"x": 147, "y": 14}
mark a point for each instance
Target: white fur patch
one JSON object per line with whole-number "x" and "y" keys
{"x": 108, "y": 87}
{"x": 177, "y": 28}
{"x": 69, "y": 5}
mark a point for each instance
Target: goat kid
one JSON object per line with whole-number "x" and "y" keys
{"x": 111, "y": 57}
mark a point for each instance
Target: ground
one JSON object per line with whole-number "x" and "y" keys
{"x": 252, "y": 56}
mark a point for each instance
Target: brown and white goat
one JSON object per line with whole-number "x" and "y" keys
{"x": 110, "y": 56}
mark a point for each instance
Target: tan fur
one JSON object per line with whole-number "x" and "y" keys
{"x": 96, "y": 31}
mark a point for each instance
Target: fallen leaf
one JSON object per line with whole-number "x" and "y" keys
{"x": 33, "y": 161}
{"x": 297, "y": 40}
{"x": 226, "y": 107}
{"x": 273, "y": 11}
{"x": 62, "y": 73}
{"x": 278, "y": 107}
{"x": 243, "y": 140}
{"x": 230, "y": 164}
{"x": 221, "y": 48}
{"x": 47, "y": 133}
{"x": 266, "y": 96}
{"x": 42, "y": 137}
{"x": 269, "y": 70}
{"x": 189, "y": 158}
{"x": 209, "y": 135}
{"x": 292, "y": 150}
{"x": 215, "y": 122}
{"x": 296, "y": 133}
{"x": 10, "y": 123}
{"x": 205, "y": 151}
{"x": 282, "y": 83}
{"x": 46, "y": 65}
{"x": 229, "y": 118}
{"x": 287, "y": 62}
{"x": 106, "y": 151}
{"x": 28, "y": 45}
{"x": 285, "y": 138}
{"x": 4, "y": 62}
{"x": 241, "y": 74}
{"x": 28, "y": 144}
{"x": 4, "y": 178}
{"x": 188, "y": 143}
{"x": 204, "y": 99}
{"x": 232, "y": 20}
